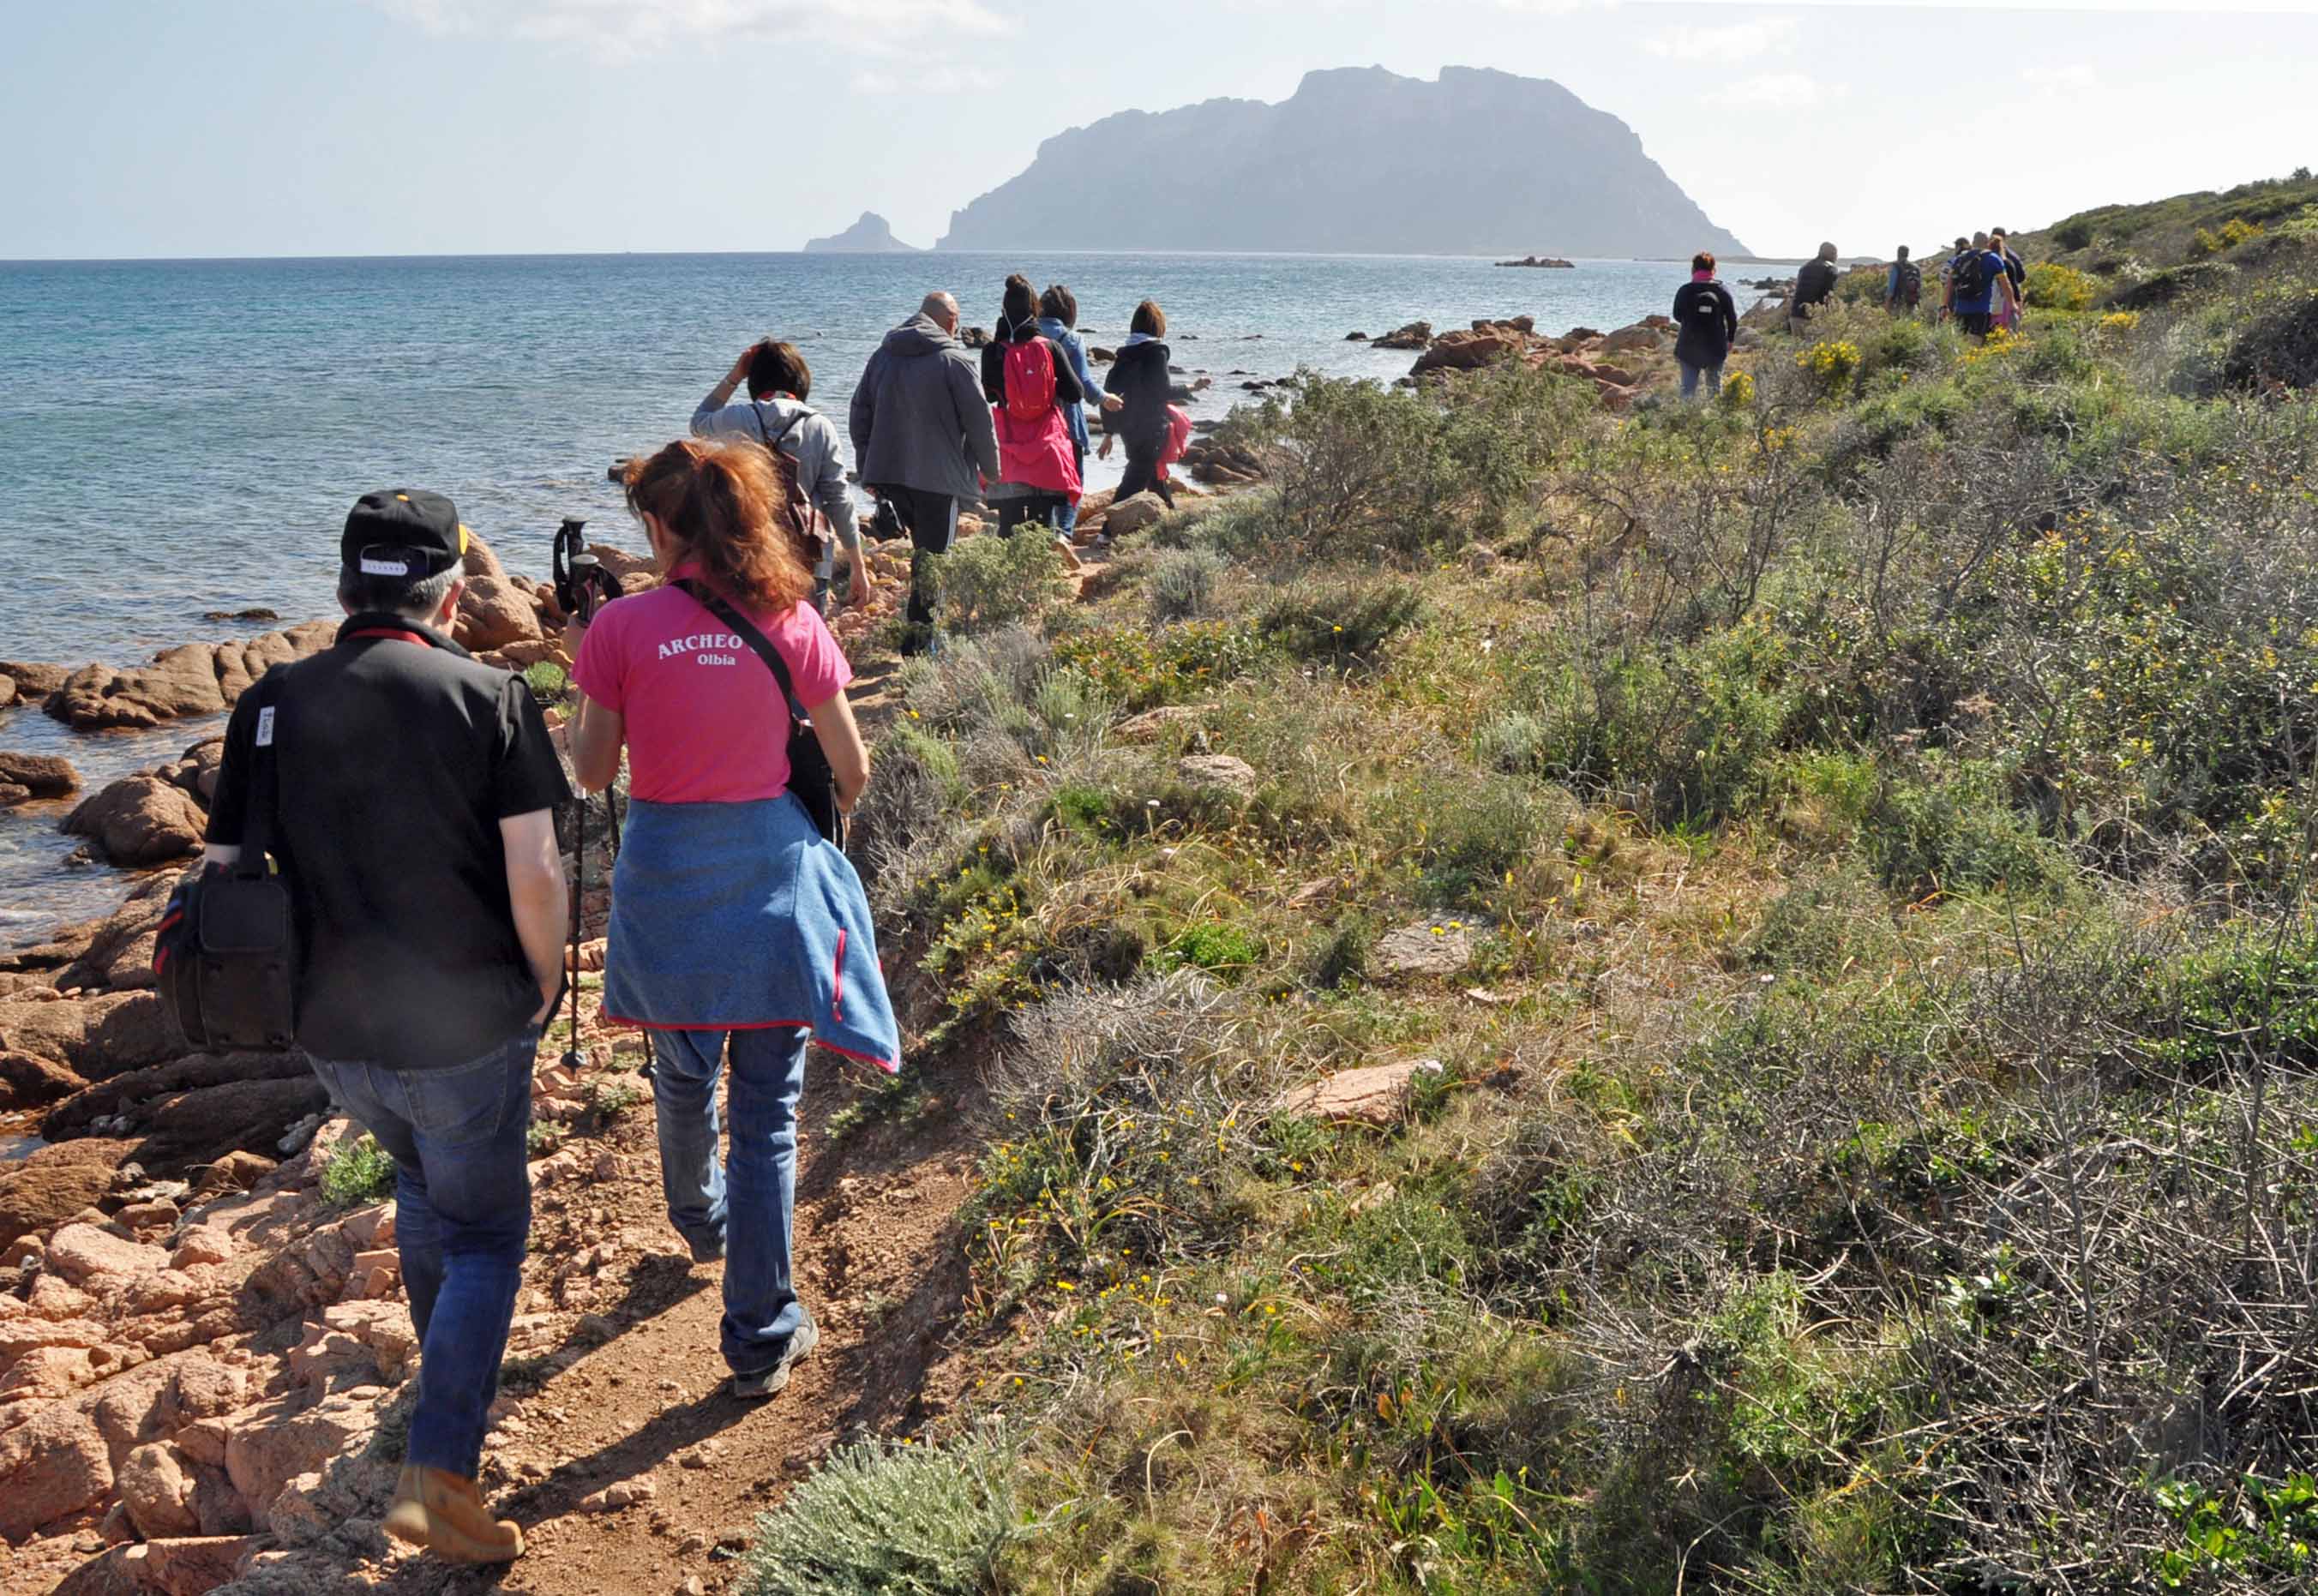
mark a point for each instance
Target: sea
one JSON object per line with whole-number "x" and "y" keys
{"x": 181, "y": 438}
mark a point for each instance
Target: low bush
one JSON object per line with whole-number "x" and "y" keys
{"x": 1181, "y": 584}
{"x": 358, "y": 1171}
{"x": 1342, "y": 621}
{"x": 878, "y": 1518}
{"x": 1951, "y": 828}
{"x": 987, "y": 583}
{"x": 2052, "y": 286}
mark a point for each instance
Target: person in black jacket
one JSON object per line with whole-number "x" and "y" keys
{"x": 1814, "y": 286}
{"x": 1140, "y": 377}
{"x": 1708, "y": 321}
{"x": 1038, "y": 477}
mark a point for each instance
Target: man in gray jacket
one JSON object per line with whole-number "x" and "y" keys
{"x": 923, "y": 435}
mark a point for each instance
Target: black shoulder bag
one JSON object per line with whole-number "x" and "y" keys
{"x": 226, "y": 955}
{"x": 811, "y": 779}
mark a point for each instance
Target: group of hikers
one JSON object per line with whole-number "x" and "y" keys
{"x": 934, "y": 428}
{"x": 424, "y": 869}
{"x": 1983, "y": 286}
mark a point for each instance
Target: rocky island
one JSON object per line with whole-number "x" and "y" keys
{"x": 1357, "y": 160}
{"x": 869, "y": 235}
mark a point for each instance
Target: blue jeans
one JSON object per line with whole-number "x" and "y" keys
{"x": 748, "y": 1204}
{"x": 1690, "y": 374}
{"x": 461, "y": 1219}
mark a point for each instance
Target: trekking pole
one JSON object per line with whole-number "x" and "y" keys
{"x": 571, "y": 1057}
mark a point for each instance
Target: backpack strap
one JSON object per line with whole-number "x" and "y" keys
{"x": 758, "y": 643}
{"x": 264, "y": 797}
{"x": 757, "y": 409}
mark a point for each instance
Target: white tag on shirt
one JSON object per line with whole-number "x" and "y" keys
{"x": 266, "y": 727}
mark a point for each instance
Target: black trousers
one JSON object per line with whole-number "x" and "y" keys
{"x": 932, "y": 521}
{"x": 1142, "y": 475}
{"x": 1046, "y": 510}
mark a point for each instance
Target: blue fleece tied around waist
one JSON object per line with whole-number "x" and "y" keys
{"x": 740, "y": 916}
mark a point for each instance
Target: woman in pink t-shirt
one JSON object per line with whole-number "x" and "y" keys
{"x": 736, "y": 928}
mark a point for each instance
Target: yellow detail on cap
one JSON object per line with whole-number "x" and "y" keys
{"x": 463, "y": 536}
{"x": 403, "y": 496}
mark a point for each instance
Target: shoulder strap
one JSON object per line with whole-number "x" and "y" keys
{"x": 265, "y": 796}
{"x": 758, "y": 643}
{"x": 757, "y": 409}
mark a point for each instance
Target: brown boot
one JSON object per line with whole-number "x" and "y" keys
{"x": 444, "y": 1513}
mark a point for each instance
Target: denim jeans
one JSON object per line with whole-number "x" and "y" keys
{"x": 747, "y": 1203}
{"x": 1690, "y": 375}
{"x": 461, "y": 1219}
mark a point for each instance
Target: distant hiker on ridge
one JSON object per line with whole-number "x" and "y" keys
{"x": 923, "y": 433}
{"x": 1708, "y": 320}
{"x": 1903, "y": 290}
{"x": 1814, "y": 285}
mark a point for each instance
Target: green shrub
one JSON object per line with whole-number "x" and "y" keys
{"x": 1516, "y": 743}
{"x": 547, "y": 681}
{"x": 988, "y": 582}
{"x": 1181, "y": 584}
{"x": 1953, "y": 828}
{"x": 2054, "y": 287}
{"x": 1341, "y": 622}
{"x": 2076, "y": 233}
{"x": 2165, "y": 287}
{"x": 358, "y": 1171}
{"x": 1467, "y": 830}
{"x": 2277, "y": 346}
{"x": 1138, "y": 669}
{"x": 878, "y": 1519}
{"x": 1229, "y": 952}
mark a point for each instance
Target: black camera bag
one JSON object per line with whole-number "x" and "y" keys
{"x": 811, "y": 779}
{"x": 226, "y": 955}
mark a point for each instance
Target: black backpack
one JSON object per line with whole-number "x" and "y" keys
{"x": 225, "y": 956}
{"x": 1911, "y": 282}
{"x": 1970, "y": 276}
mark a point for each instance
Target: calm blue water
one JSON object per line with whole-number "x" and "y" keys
{"x": 177, "y": 437}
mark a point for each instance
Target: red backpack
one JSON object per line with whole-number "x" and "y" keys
{"x": 1029, "y": 379}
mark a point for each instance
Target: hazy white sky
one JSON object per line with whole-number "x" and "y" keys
{"x": 304, "y": 127}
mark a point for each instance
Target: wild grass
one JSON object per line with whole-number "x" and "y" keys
{"x": 1871, "y": 1146}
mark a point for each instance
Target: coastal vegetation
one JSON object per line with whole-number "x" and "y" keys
{"x": 1826, "y": 875}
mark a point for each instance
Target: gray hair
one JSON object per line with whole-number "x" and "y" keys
{"x": 413, "y": 598}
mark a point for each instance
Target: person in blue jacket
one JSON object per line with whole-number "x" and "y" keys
{"x": 1058, "y": 319}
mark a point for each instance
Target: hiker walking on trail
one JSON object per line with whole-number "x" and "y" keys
{"x": 1144, "y": 385}
{"x": 1814, "y": 286}
{"x": 738, "y": 931}
{"x": 2007, "y": 309}
{"x": 1058, "y": 319}
{"x": 776, "y": 416}
{"x": 1028, "y": 382}
{"x": 1707, "y": 323}
{"x": 1947, "y": 276}
{"x": 423, "y": 875}
{"x": 1903, "y": 289}
{"x": 1981, "y": 288}
{"x": 924, "y": 438}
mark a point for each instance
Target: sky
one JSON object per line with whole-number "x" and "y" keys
{"x": 209, "y": 128}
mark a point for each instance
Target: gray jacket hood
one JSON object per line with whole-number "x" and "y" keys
{"x": 920, "y": 336}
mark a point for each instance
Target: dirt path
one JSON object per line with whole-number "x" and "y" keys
{"x": 632, "y": 1388}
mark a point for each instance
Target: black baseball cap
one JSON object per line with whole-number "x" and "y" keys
{"x": 402, "y": 531}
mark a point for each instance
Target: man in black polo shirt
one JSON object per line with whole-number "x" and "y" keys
{"x": 416, "y": 836}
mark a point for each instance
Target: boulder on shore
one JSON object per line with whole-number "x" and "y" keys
{"x": 44, "y": 775}
{"x": 95, "y": 1037}
{"x": 55, "y": 1183}
{"x": 34, "y": 681}
{"x": 1416, "y": 335}
{"x": 141, "y": 819}
{"x": 190, "y": 680}
{"x": 493, "y": 612}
